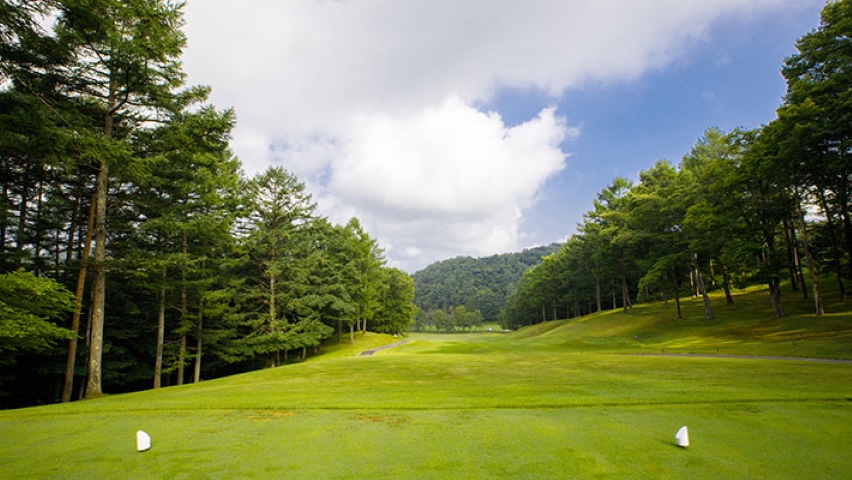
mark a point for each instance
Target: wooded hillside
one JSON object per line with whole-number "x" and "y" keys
{"x": 477, "y": 283}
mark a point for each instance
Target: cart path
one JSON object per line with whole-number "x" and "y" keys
{"x": 367, "y": 353}
{"x": 750, "y": 357}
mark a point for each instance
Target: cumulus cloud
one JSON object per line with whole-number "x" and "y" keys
{"x": 452, "y": 159}
{"x": 451, "y": 174}
{"x": 371, "y": 102}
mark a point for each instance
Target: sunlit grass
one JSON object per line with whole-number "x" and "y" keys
{"x": 745, "y": 328}
{"x": 566, "y": 399}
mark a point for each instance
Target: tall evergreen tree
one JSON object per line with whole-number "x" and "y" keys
{"x": 395, "y": 312}
{"x": 126, "y": 69}
{"x": 277, "y": 246}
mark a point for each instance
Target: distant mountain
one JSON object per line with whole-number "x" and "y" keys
{"x": 478, "y": 283}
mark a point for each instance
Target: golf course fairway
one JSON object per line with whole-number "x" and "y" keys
{"x": 547, "y": 402}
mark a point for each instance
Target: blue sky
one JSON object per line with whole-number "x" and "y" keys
{"x": 452, "y": 128}
{"x": 731, "y": 79}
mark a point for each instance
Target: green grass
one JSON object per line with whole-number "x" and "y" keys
{"x": 745, "y": 328}
{"x": 566, "y": 399}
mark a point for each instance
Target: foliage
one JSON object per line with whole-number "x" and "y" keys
{"x": 477, "y": 283}
{"x": 119, "y": 183}
{"x": 395, "y": 312}
{"x": 28, "y": 307}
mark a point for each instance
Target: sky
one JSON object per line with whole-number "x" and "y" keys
{"x": 481, "y": 127}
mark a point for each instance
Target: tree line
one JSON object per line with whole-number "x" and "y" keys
{"x": 744, "y": 207}
{"x": 442, "y": 321}
{"x": 134, "y": 252}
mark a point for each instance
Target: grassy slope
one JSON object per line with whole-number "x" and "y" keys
{"x": 554, "y": 400}
{"x": 745, "y": 328}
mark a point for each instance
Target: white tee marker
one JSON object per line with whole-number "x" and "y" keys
{"x": 682, "y": 437}
{"x": 143, "y": 441}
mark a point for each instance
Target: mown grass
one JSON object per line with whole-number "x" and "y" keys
{"x": 745, "y": 328}
{"x": 567, "y": 399}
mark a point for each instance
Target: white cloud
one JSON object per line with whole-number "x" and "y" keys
{"x": 370, "y": 102}
{"x": 451, "y": 174}
{"x": 452, "y": 160}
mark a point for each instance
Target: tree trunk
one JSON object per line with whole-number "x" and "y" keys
{"x": 183, "y": 311}
{"x": 3, "y": 224}
{"x": 797, "y": 259}
{"x": 161, "y": 334}
{"x": 351, "y": 334}
{"x": 88, "y": 336}
{"x": 93, "y": 385}
{"x": 272, "y": 310}
{"x": 792, "y": 258}
{"x": 775, "y": 296}
{"x": 57, "y": 251}
{"x": 198, "y": 333}
{"x": 625, "y": 293}
{"x": 676, "y": 286}
{"x": 20, "y": 235}
{"x": 774, "y": 279}
{"x": 598, "y": 290}
{"x": 68, "y": 386}
{"x": 708, "y": 311}
{"x": 726, "y": 284}
{"x": 832, "y": 235}
{"x": 612, "y": 291}
{"x": 37, "y": 231}
{"x": 692, "y": 286}
{"x": 818, "y": 307}
{"x": 181, "y": 359}
{"x": 598, "y": 296}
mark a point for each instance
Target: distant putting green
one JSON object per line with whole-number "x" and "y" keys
{"x": 555, "y": 401}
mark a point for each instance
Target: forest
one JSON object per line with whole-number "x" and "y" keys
{"x": 134, "y": 252}
{"x": 481, "y": 284}
{"x": 765, "y": 206}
